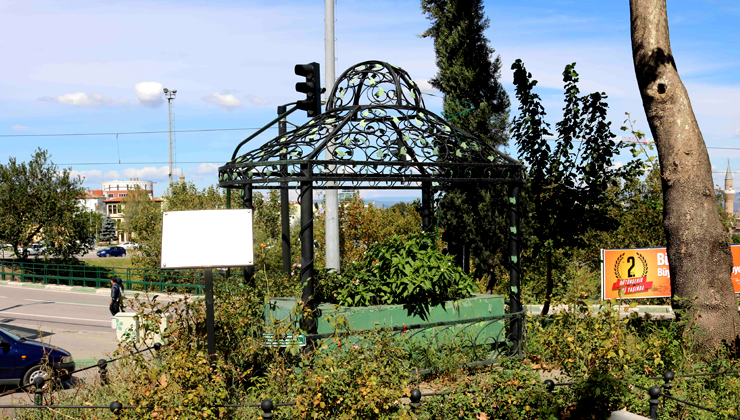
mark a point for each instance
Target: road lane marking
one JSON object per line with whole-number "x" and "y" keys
{"x": 160, "y": 295}
{"x": 107, "y": 321}
{"x": 67, "y": 303}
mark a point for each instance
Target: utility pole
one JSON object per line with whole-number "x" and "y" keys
{"x": 170, "y": 95}
{"x": 331, "y": 208}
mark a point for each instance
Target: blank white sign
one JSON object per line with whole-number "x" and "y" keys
{"x": 207, "y": 238}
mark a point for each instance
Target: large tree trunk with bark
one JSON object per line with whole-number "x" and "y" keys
{"x": 698, "y": 246}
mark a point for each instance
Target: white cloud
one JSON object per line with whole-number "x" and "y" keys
{"x": 19, "y": 128}
{"x": 203, "y": 170}
{"x": 83, "y": 99}
{"x": 736, "y": 133}
{"x": 424, "y": 85}
{"x": 257, "y": 101}
{"x": 151, "y": 173}
{"x": 149, "y": 94}
{"x": 226, "y": 101}
{"x": 96, "y": 175}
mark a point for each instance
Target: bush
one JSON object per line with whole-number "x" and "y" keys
{"x": 397, "y": 271}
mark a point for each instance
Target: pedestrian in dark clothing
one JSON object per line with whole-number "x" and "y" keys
{"x": 115, "y": 295}
{"x": 121, "y": 294}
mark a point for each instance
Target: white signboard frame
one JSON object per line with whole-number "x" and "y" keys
{"x": 207, "y": 239}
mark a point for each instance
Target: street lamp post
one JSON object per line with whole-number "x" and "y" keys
{"x": 170, "y": 95}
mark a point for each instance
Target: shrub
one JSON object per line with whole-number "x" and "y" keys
{"x": 411, "y": 271}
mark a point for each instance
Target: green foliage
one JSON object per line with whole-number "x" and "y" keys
{"x": 354, "y": 381}
{"x": 397, "y": 271}
{"x": 567, "y": 185}
{"x": 39, "y": 202}
{"x": 513, "y": 391}
{"x": 474, "y": 100}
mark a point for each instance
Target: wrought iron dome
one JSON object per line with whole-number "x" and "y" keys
{"x": 374, "y": 134}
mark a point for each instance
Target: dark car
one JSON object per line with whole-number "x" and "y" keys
{"x": 22, "y": 360}
{"x": 112, "y": 251}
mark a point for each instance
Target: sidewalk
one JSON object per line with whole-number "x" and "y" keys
{"x": 655, "y": 311}
{"x": 130, "y": 294}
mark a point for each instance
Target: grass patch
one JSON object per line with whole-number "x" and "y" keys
{"x": 108, "y": 262}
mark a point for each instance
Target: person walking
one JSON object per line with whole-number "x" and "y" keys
{"x": 121, "y": 294}
{"x": 115, "y": 297}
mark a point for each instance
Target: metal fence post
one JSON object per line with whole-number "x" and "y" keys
{"x": 654, "y": 393}
{"x": 267, "y": 407}
{"x": 115, "y": 408}
{"x": 549, "y": 385}
{"x": 103, "y": 371}
{"x": 415, "y": 398}
{"x": 667, "y": 377}
{"x": 38, "y": 398}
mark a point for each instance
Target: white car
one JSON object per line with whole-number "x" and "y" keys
{"x": 35, "y": 249}
{"x": 129, "y": 245}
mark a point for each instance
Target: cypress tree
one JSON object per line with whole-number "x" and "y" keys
{"x": 474, "y": 99}
{"x": 468, "y": 75}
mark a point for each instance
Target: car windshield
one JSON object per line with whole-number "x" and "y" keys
{"x": 107, "y": 249}
{"x": 10, "y": 334}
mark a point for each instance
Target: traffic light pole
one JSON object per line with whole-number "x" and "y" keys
{"x": 262, "y": 130}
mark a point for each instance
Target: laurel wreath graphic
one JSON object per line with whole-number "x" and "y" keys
{"x": 644, "y": 264}
{"x": 616, "y": 266}
{"x": 621, "y": 258}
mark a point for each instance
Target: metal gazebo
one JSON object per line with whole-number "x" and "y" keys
{"x": 375, "y": 134}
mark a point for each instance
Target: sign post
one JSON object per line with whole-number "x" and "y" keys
{"x": 226, "y": 241}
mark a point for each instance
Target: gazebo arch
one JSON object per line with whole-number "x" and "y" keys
{"x": 375, "y": 134}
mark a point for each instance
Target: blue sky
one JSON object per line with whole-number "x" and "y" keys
{"x": 97, "y": 66}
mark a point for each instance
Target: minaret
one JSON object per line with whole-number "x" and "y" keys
{"x": 729, "y": 192}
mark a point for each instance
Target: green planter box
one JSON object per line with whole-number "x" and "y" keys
{"x": 366, "y": 318}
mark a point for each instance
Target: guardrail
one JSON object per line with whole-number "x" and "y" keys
{"x": 144, "y": 279}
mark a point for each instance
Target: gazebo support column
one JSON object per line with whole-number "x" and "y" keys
{"x": 284, "y": 200}
{"x": 426, "y": 206}
{"x": 515, "y": 302}
{"x": 247, "y": 204}
{"x": 307, "y": 254}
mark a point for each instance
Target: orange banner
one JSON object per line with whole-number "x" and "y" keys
{"x": 644, "y": 273}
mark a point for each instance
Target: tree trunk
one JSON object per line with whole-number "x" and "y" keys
{"x": 549, "y": 285}
{"x": 698, "y": 246}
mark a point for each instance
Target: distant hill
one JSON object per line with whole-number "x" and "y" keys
{"x": 388, "y": 201}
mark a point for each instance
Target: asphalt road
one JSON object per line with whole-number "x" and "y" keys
{"x": 51, "y": 309}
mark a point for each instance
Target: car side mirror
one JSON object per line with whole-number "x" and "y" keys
{"x": 5, "y": 346}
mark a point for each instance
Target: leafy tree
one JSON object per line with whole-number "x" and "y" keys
{"x": 639, "y": 214}
{"x": 474, "y": 100}
{"x": 698, "y": 247}
{"x": 108, "y": 231}
{"x": 134, "y": 201}
{"x": 40, "y": 202}
{"x": 567, "y": 184}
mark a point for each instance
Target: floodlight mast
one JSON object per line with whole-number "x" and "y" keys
{"x": 170, "y": 95}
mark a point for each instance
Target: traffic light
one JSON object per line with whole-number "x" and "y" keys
{"x": 311, "y": 87}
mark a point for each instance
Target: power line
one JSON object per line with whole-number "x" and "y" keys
{"x": 124, "y": 163}
{"x": 130, "y": 132}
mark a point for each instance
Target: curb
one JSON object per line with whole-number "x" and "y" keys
{"x": 93, "y": 290}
